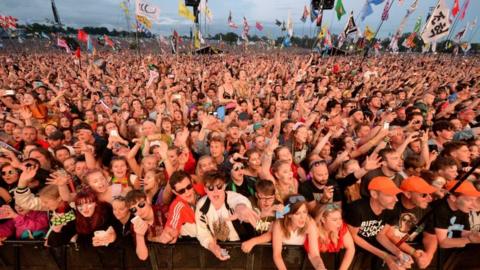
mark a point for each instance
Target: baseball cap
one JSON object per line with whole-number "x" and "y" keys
{"x": 416, "y": 184}
{"x": 384, "y": 185}
{"x": 244, "y": 116}
{"x": 466, "y": 188}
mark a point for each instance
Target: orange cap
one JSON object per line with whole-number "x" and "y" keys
{"x": 466, "y": 188}
{"x": 383, "y": 184}
{"x": 416, "y": 184}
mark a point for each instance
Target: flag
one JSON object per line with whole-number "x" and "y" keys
{"x": 63, "y": 44}
{"x": 278, "y": 23}
{"x": 472, "y": 25}
{"x": 305, "y": 14}
{"x": 246, "y": 27}
{"x": 410, "y": 41}
{"x": 465, "y": 47}
{"x": 386, "y": 10}
{"x": 459, "y": 36}
{"x": 313, "y": 14}
{"x": 366, "y": 10}
{"x": 464, "y": 9}
{"x": 8, "y": 22}
{"x": 196, "y": 40}
{"x": 289, "y": 25}
{"x": 456, "y": 8}
{"x": 341, "y": 40}
{"x": 322, "y": 33}
{"x": 45, "y": 36}
{"x": 368, "y": 33}
{"x": 55, "y": 13}
{"x": 410, "y": 10}
{"x": 82, "y": 35}
{"x": 375, "y": 2}
{"x": 89, "y": 45}
{"x": 426, "y": 47}
{"x": 203, "y": 8}
{"x": 184, "y": 11}
{"x": 144, "y": 21}
{"x": 339, "y": 9}
{"x": 147, "y": 10}
{"x": 231, "y": 24}
{"x": 318, "y": 20}
{"x": 418, "y": 24}
{"x": 259, "y": 26}
{"x": 351, "y": 27}
{"x": 284, "y": 28}
{"x": 124, "y": 7}
{"x": 286, "y": 42}
{"x": 327, "y": 41}
{"x": 77, "y": 52}
{"x": 108, "y": 41}
{"x": 439, "y": 24}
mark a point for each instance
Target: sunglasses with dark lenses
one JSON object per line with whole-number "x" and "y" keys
{"x": 237, "y": 168}
{"x": 424, "y": 195}
{"x": 9, "y": 172}
{"x": 212, "y": 187}
{"x": 183, "y": 190}
{"x": 140, "y": 205}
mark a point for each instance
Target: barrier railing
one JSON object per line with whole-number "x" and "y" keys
{"x": 33, "y": 255}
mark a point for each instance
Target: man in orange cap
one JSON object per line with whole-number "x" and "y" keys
{"x": 414, "y": 204}
{"x": 367, "y": 218}
{"x": 452, "y": 227}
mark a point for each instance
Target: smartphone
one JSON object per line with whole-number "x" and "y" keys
{"x": 386, "y": 125}
{"x": 176, "y": 96}
{"x": 114, "y": 133}
{"x": 9, "y": 92}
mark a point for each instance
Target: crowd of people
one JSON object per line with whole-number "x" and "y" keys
{"x": 336, "y": 154}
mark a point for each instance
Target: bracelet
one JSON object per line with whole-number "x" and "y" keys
{"x": 384, "y": 256}
{"x": 412, "y": 252}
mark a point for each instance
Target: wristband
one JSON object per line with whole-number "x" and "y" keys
{"x": 384, "y": 256}
{"x": 412, "y": 252}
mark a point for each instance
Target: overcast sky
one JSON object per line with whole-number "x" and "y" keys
{"x": 78, "y": 13}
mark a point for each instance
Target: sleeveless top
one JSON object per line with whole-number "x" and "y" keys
{"x": 295, "y": 239}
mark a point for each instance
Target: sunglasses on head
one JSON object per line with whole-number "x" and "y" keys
{"x": 218, "y": 187}
{"x": 183, "y": 190}
{"x": 316, "y": 163}
{"x": 295, "y": 199}
{"x": 9, "y": 172}
{"x": 140, "y": 205}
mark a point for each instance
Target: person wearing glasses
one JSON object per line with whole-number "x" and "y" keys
{"x": 414, "y": 203}
{"x": 181, "y": 213}
{"x": 239, "y": 182}
{"x": 223, "y": 216}
{"x": 148, "y": 223}
{"x": 294, "y": 226}
{"x": 333, "y": 234}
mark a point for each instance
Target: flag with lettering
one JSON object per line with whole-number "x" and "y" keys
{"x": 386, "y": 10}
{"x": 339, "y": 9}
{"x": 439, "y": 23}
{"x": 146, "y": 9}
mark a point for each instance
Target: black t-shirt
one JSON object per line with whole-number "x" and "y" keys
{"x": 453, "y": 221}
{"x": 405, "y": 219}
{"x": 247, "y": 188}
{"x": 312, "y": 192}
{"x": 359, "y": 214}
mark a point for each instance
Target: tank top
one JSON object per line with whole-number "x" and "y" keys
{"x": 295, "y": 239}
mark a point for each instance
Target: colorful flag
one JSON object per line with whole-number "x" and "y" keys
{"x": 231, "y": 24}
{"x": 368, "y": 34}
{"x": 366, "y": 11}
{"x": 89, "y": 45}
{"x": 410, "y": 10}
{"x": 286, "y": 42}
{"x": 465, "y": 47}
{"x": 203, "y": 8}
{"x": 124, "y": 6}
{"x": 322, "y": 33}
{"x": 196, "y": 40}
{"x": 246, "y": 27}
{"x": 144, "y": 20}
{"x": 456, "y": 8}
{"x": 147, "y": 10}
{"x": 459, "y": 36}
{"x": 464, "y": 9}
{"x": 259, "y": 26}
{"x": 375, "y": 2}
{"x": 82, "y": 35}
{"x": 184, "y": 11}
{"x": 305, "y": 14}
{"x": 339, "y": 9}
{"x": 351, "y": 27}
{"x": 386, "y": 10}
{"x": 439, "y": 23}
{"x": 313, "y": 14}
{"x": 318, "y": 20}
{"x": 418, "y": 24}
{"x": 327, "y": 41}
{"x": 108, "y": 41}
{"x": 410, "y": 41}
{"x": 63, "y": 44}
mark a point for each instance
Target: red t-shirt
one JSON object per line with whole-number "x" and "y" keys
{"x": 330, "y": 247}
{"x": 179, "y": 213}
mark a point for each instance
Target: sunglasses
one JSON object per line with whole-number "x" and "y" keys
{"x": 9, "y": 172}
{"x": 295, "y": 199}
{"x": 424, "y": 195}
{"x": 218, "y": 187}
{"x": 185, "y": 189}
{"x": 237, "y": 168}
{"x": 140, "y": 205}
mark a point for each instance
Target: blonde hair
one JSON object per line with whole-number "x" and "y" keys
{"x": 322, "y": 212}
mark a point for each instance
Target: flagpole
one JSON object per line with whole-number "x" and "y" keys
{"x": 374, "y": 36}
{"x": 449, "y": 36}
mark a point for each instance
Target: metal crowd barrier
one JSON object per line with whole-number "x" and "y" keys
{"x": 33, "y": 255}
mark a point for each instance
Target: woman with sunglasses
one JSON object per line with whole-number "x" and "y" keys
{"x": 294, "y": 227}
{"x": 239, "y": 183}
{"x": 333, "y": 234}
{"x": 9, "y": 176}
{"x": 181, "y": 214}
